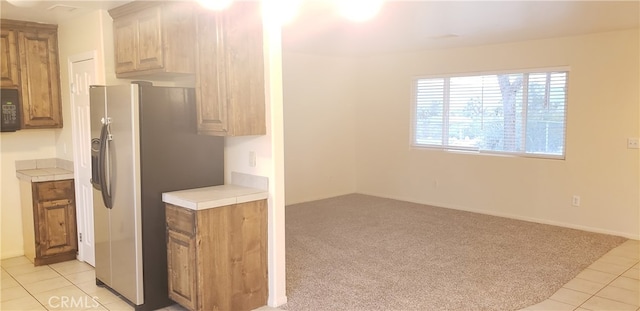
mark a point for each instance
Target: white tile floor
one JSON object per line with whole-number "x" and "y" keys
{"x": 69, "y": 285}
{"x": 610, "y": 283}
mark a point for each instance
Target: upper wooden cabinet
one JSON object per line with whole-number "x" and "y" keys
{"x": 223, "y": 49}
{"x": 9, "y": 72}
{"x": 230, "y": 71}
{"x": 35, "y": 71}
{"x": 154, "y": 38}
{"x": 39, "y": 82}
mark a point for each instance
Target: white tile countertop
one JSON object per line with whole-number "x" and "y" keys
{"x": 216, "y": 196}
{"x": 244, "y": 188}
{"x": 44, "y": 170}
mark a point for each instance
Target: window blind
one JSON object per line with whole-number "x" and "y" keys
{"x": 516, "y": 113}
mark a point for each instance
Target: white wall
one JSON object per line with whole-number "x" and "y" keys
{"x": 603, "y": 104}
{"x": 20, "y": 145}
{"x": 76, "y": 36}
{"x": 319, "y": 127}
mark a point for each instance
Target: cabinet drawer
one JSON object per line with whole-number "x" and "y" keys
{"x": 53, "y": 190}
{"x": 181, "y": 219}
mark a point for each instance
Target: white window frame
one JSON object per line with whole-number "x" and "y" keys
{"x": 414, "y": 106}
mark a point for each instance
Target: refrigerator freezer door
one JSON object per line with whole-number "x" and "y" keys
{"x": 102, "y": 234}
{"x": 118, "y": 229}
{"x": 126, "y": 228}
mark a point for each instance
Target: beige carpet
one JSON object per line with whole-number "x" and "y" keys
{"x": 358, "y": 252}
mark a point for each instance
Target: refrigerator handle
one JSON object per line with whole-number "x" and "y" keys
{"x": 95, "y": 167}
{"x": 105, "y": 182}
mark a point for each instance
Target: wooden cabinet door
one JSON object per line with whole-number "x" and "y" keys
{"x": 149, "y": 49}
{"x": 55, "y": 218}
{"x": 230, "y": 72}
{"x": 9, "y": 60}
{"x": 125, "y": 41}
{"x": 181, "y": 261}
{"x": 138, "y": 41}
{"x": 244, "y": 68}
{"x": 57, "y": 227}
{"x": 39, "y": 79}
{"x": 211, "y": 97}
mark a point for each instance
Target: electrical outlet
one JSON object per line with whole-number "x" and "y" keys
{"x": 633, "y": 143}
{"x": 576, "y": 200}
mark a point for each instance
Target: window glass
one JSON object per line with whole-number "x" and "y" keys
{"x": 521, "y": 113}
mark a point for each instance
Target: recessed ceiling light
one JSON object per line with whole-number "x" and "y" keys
{"x": 359, "y": 10}
{"x": 283, "y": 11}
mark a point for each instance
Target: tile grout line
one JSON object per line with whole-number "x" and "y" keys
{"x": 26, "y": 290}
{"x": 76, "y": 286}
{"x": 605, "y": 286}
{"x": 57, "y": 272}
{"x": 64, "y": 277}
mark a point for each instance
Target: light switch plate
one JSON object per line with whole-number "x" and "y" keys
{"x": 633, "y": 143}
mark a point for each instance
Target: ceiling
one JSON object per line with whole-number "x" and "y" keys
{"x": 52, "y": 12}
{"x": 420, "y": 25}
{"x": 404, "y": 25}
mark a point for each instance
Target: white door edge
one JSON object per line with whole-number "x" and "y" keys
{"x": 85, "y": 251}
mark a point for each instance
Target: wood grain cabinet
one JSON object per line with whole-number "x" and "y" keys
{"x": 154, "y": 39}
{"x": 9, "y": 67}
{"x": 217, "y": 257}
{"x": 49, "y": 221}
{"x": 230, "y": 88}
{"x": 30, "y": 64}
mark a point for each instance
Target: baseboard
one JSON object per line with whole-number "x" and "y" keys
{"x": 12, "y": 254}
{"x": 316, "y": 198}
{"x": 517, "y": 217}
{"x": 275, "y": 302}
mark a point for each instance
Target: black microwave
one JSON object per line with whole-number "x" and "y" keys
{"x": 10, "y": 108}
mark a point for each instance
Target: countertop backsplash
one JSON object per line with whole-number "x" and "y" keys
{"x": 250, "y": 181}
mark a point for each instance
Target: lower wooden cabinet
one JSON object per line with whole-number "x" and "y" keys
{"x": 217, "y": 257}
{"x": 49, "y": 221}
{"x": 181, "y": 251}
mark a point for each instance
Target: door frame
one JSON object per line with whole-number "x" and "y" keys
{"x": 76, "y": 140}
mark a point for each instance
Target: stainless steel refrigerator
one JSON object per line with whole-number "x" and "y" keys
{"x": 144, "y": 142}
